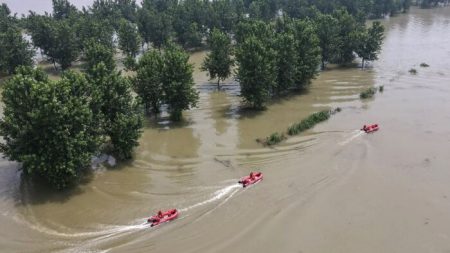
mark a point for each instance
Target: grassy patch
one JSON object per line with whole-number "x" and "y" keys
{"x": 309, "y": 122}
{"x": 368, "y": 93}
{"x": 299, "y": 127}
{"x": 424, "y": 65}
{"x": 413, "y": 71}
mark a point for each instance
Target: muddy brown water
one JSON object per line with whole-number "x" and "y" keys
{"x": 331, "y": 189}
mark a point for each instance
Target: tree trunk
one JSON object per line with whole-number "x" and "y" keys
{"x": 218, "y": 83}
{"x": 363, "y": 63}
{"x": 54, "y": 64}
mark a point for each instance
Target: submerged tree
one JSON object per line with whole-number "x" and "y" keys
{"x": 218, "y": 62}
{"x": 307, "y": 52}
{"x": 177, "y": 81}
{"x": 327, "y": 32}
{"x": 118, "y": 112}
{"x": 57, "y": 39}
{"x": 370, "y": 42}
{"x": 349, "y": 28}
{"x": 47, "y": 126}
{"x": 256, "y": 71}
{"x": 285, "y": 46}
{"x": 155, "y": 27}
{"x": 148, "y": 83}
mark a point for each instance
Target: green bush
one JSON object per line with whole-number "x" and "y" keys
{"x": 309, "y": 122}
{"x": 368, "y": 93}
{"x": 413, "y": 71}
{"x": 424, "y": 65}
{"x": 274, "y": 138}
{"x": 381, "y": 88}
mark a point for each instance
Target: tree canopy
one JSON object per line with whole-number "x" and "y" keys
{"x": 218, "y": 62}
{"x": 47, "y": 125}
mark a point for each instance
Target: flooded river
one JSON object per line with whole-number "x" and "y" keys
{"x": 331, "y": 189}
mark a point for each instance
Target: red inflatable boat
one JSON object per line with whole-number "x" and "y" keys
{"x": 251, "y": 179}
{"x": 162, "y": 217}
{"x": 370, "y": 128}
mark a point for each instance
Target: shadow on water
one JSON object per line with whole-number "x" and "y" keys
{"x": 244, "y": 111}
{"x": 164, "y": 123}
{"x": 35, "y": 190}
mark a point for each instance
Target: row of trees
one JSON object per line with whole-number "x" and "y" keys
{"x": 62, "y": 36}
{"x": 341, "y": 35}
{"x": 165, "y": 77}
{"x": 273, "y": 58}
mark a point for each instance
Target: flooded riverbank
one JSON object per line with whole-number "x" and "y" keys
{"x": 331, "y": 189}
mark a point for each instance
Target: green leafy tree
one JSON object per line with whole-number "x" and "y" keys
{"x": 155, "y": 27}
{"x": 127, "y": 9}
{"x": 57, "y": 39}
{"x": 327, "y": 30}
{"x": 63, "y": 9}
{"x": 6, "y": 20}
{"x": 95, "y": 53}
{"x": 307, "y": 52}
{"x": 222, "y": 15}
{"x": 46, "y": 125}
{"x": 147, "y": 82}
{"x": 348, "y": 31}
{"x": 256, "y": 71}
{"x": 65, "y": 48}
{"x": 218, "y": 62}
{"x": 257, "y": 28}
{"x": 106, "y": 10}
{"x": 177, "y": 81}
{"x": 191, "y": 37}
{"x": 129, "y": 40}
{"x": 119, "y": 113}
{"x": 40, "y": 28}
{"x": 88, "y": 28}
{"x": 14, "y": 50}
{"x": 370, "y": 42}
{"x": 263, "y": 9}
{"x": 285, "y": 46}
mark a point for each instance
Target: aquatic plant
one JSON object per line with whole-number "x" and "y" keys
{"x": 368, "y": 93}
{"x": 274, "y": 138}
{"x": 413, "y": 71}
{"x": 309, "y": 122}
{"x": 424, "y": 65}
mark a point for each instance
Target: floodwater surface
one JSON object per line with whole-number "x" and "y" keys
{"x": 331, "y": 189}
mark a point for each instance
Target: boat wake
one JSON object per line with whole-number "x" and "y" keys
{"x": 354, "y": 135}
{"x": 217, "y": 195}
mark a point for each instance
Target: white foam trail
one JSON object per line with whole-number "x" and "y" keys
{"x": 216, "y": 196}
{"x": 106, "y": 230}
{"x": 356, "y": 134}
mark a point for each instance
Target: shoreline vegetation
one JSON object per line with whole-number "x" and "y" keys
{"x": 277, "y": 46}
{"x": 299, "y": 127}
